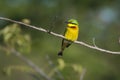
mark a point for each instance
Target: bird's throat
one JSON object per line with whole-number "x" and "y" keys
{"x": 73, "y": 27}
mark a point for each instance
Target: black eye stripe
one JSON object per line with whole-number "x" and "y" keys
{"x": 73, "y": 27}
{"x": 72, "y": 23}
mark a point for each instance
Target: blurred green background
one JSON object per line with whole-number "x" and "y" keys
{"x": 99, "y": 19}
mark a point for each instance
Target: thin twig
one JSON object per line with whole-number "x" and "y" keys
{"x": 55, "y": 69}
{"x": 83, "y": 74}
{"x": 60, "y": 36}
{"x": 30, "y": 63}
{"x": 94, "y": 42}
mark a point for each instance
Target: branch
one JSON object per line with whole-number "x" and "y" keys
{"x": 30, "y": 63}
{"x": 83, "y": 74}
{"x": 27, "y": 61}
{"x": 94, "y": 42}
{"x": 55, "y": 69}
{"x": 60, "y": 36}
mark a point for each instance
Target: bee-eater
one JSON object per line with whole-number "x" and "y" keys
{"x": 71, "y": 35}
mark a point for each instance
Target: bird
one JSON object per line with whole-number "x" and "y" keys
{"x": 70, "y": 34}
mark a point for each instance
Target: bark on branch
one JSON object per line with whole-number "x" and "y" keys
{"x": 60, "y": 36}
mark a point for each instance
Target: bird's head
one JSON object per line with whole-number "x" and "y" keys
{"x": 72, "y": 23}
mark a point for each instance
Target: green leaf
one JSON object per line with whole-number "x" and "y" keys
{"x": 77, "y": 68}
{"x": 61, "y": 64}
{"x": 13, "y": 38}
{"x": 8, "y": 70}
{"x": 7, "y": 37}
{"x": 6, "y": 30}
{"x": 26, "y": 21}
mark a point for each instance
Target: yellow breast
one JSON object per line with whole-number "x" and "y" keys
{"x": 72, "y": 33}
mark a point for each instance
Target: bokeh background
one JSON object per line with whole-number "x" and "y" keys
{"x": 99, "y": 19}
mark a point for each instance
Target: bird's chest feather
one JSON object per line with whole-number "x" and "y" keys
{"x": 71, "y": 34}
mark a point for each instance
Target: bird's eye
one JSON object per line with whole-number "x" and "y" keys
{"x": 74, "y": 27}
{"x": 73, "y": 23}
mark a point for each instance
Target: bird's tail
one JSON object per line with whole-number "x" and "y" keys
{"x": 60, "y": 53}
